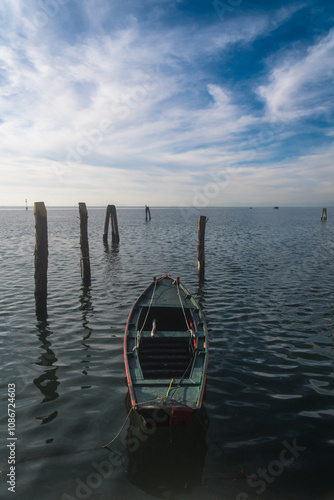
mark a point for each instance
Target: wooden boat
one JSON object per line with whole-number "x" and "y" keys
{"x": 166, "y": 353}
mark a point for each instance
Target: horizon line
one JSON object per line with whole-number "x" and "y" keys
{"x": 25, "y": 207}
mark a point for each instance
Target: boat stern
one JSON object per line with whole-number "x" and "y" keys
{"x": 167, "y": 415}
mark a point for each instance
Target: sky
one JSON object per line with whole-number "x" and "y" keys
{"x": 167, "y": 102}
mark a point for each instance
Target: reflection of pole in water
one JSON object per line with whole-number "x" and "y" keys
{"x": 86, "y": 308}
{"x": 166, "y": 460}
{"x": 47, "y": 381}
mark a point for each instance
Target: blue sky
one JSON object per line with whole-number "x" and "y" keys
{"x": 162, "y": 102}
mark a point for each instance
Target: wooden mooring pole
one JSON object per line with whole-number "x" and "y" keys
{"x": 112, "y": 215}
{"x": 106, "y": 224}
{"x": 41, "y": 259}
{"x": 85, "y": 263}
{"x": 147, "y": 213}
{"x": 114, "y": 225}
{"x": 324, "y": 214}
{"x": 200, "y": 246}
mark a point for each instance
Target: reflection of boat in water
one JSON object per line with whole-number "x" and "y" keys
{"x": 166, "y": 353}
{"x": 166, "y": 460}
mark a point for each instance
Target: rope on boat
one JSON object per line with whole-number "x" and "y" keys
{"x": 149, "y": 307}
{"x": 184, "y": 312}
{"x": 189, "y": 329}
{"x": 170, "y": 385}
{"x": 161, "y": 399}
{"x": 181, "y": 379}
{"x": 139, "y": 332}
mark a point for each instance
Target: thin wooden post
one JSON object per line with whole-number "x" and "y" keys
{"x": 85, "y": 263}
{"x": 324, "y": 214}
{"x": 114, "y": 225}
{"x": 147, "y": 213}
{"x": 200, "y": 246}
{"x": 41, "y": 259}
{"x": 106, "y": 224}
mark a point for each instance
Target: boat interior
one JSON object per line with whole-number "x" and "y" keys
{"x": 165, "y": 353}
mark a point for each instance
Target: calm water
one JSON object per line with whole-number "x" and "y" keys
{"x": 267, "y": 429}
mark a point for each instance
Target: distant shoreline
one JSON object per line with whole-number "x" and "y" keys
{"x": 141, "y": 207}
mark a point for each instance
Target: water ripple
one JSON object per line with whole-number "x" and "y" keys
{"x": 268, "y": 299}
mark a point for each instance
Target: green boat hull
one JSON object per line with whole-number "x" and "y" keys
{"x": 166, "y": 353}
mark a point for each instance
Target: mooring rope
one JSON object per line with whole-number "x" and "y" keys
{"x": 162, "y": 399}
{"x": 119, "y": 432}
{"x": 241, "y": 473}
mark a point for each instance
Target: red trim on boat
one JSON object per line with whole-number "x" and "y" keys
{"x": 126, "y": 361}
{"x": 206, "y": 367}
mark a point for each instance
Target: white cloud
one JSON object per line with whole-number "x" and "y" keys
{"x": 122, "y": 114}
{"x": 51, "y": 104}
{"x": 301, "y": 85}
